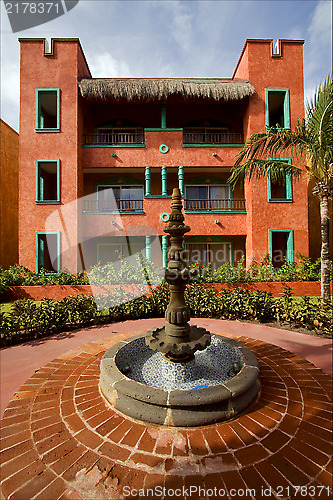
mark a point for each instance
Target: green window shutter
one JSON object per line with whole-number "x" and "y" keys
{"x": 290, "y": 246}
{"x": 41, "y": 248}
{"x": 286, "y": 109}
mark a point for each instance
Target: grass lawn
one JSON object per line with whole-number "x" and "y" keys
{"x": 6, "y": 307}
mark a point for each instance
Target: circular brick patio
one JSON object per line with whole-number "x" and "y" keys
{"x": 61, "y": 441}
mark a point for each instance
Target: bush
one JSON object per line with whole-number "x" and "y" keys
{"x": 20, "y": 275}
{"x": 28, "y": 319}
{"x": 136, "y": 270}
{"x": 139, "y": 270}
{"x": 303, "y": 270}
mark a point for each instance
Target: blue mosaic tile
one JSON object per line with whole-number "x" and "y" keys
{"x": 210, "y": 367}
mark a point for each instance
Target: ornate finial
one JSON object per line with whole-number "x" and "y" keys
{"x": 177, "y": 340}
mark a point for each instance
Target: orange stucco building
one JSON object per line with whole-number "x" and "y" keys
{"x": 9, "y": 156}
{"x": 99, "y": 159}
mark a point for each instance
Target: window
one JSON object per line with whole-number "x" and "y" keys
{"x": 48, "y": 110}
{"x": 213, "y": 197}
{"x": 112, "y": 252}
{"x": 280, "y": 192}
{"x": 122, "y": 198}
{"x": 277, "y": 108}
{"x": 281, "y": 246}
{"x": 47, "y": 251}
{"x": 215, "y": 253}
{"x": 48, "y": 181}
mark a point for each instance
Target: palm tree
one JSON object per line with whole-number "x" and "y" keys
{"x": 311, "y": 144}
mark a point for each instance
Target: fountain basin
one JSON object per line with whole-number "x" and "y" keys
{"x": 221, "y": 381}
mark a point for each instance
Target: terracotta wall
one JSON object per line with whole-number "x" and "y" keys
{"x": 59, "y": 69}
{"x": 282, "y": 70}
{"x": 58, "y": 292}
{"x": 9, "y": 153}
{"x": 150, "y": 156}
{"x": 64, "y": 67}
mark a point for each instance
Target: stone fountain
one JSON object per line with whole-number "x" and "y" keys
{"x": 179, "y": 375}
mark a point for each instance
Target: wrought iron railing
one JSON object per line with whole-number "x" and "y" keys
{"x": 225, "y": 204}
{"x": 198, "y": 137}
{"x": 115, "y": 137}
{"x": 101, "y": 206}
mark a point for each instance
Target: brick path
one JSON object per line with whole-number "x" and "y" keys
{"x": 61, "y": 441}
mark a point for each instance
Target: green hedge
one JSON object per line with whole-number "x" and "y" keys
{"x": 28, "y": 319}
{"x": 303, "y": 270}
{"x": 142, "y": 271}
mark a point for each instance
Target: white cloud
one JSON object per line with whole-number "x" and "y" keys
{"x": 320, "y": 29}
{"x": 181, "y": 24}
{"x": 105, "y": 66}
{"x": 319, "y": 54}
{"x": 10, "y": 81}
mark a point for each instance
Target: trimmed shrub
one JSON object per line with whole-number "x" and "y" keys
{"x": 141, "y": 271}
{"x": 29, "y": 319}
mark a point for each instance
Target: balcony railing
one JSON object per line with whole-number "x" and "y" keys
{"x": 218, "y": 205}
{"x": 115, "y": 137}
{"x": 211, "y": 137}
{"x": 101, "y": 206}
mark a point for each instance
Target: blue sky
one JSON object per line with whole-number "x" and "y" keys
{"x": 174, "y": 38}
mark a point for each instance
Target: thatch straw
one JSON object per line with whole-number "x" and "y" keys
{"x": 160, "y": 88}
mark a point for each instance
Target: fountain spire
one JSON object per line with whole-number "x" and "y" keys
{"x": 177, "y": 341}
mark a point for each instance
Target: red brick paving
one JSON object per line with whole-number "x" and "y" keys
{"x": 60, "y": 440}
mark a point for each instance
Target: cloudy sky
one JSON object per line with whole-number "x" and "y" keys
{"x": 173, "y": 38}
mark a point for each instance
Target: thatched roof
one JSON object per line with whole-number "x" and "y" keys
{"x": 160, "y": 88}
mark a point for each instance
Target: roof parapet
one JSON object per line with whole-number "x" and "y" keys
{"x": 276, "y": 48}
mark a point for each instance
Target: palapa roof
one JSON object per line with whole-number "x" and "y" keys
{"x": 160, "y": 88}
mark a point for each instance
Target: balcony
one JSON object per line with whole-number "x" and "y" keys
{"x": 115, "y": 137}
{"x": 206, "y": 205}
{"x": 104, "y": 206}
{"x": 98, "y": 219}
{"x": 209, "y": 136}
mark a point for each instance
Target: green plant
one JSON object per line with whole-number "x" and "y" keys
{"x": 28, "y": 319}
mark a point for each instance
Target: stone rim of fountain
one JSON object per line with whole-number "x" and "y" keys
{"x": 183, "y": 408}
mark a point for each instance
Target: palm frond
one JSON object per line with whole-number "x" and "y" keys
{"x": 276, "y": 141}
{"x": 265, "y": 151}
{"x": 319, "y": 119}
{"x": 278, "y": 169}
